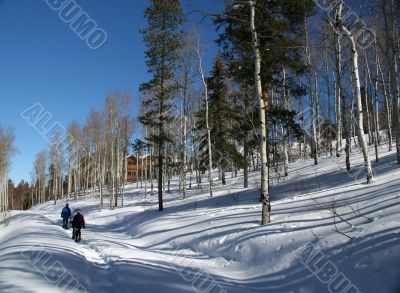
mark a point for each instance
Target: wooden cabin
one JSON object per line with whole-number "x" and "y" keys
{"x": 136, "y": 167}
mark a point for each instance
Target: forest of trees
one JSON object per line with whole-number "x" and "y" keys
{"x": 290, "y": 80}
{"x": 7, "y": 150}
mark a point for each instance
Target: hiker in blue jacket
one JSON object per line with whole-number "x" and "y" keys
{"x": 66, "y": 215}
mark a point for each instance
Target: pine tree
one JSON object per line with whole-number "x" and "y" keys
{"x": 223, "y": 121}
{"x": 163, "y": 40}
{"x": 259, "y": 39}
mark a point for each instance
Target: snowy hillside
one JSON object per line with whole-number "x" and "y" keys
{"x": 328, "y": 232}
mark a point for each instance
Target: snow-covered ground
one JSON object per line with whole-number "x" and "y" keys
{"x": 217, "y": 244}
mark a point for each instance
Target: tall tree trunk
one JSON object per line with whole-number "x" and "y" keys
{"x": 284, "y": 131}
{"x": 393, "y": 69}
{"x": 311, "y": 96}
{"x": 374, "y": 131}
{"x": 367, "y": 112}
{"x": 377, "y": 120}
{"x": 145, "y": 175}
{"x": 141, "y": 170}
{"x": 192, "y": 157}
{"x": 285, "y": 154}
{"x": 145, "y": 168}
{"x": 263, "y": 107}
{"x": 112, "y": 195}
{"x": 317, "y": 113}
{"x": 246, "y": 165}
{"x": 360, "y": 127}
{"x": 388, "y": 108}
{"x": 209, "y": 146}
{"x": 328, "y": 87}
{"x": 338, "y": 94}
{"x": 151, "y": 164}
{"x": 184, "y": 135}
{"x": 160, "y": 176}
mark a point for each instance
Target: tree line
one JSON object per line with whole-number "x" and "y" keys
{"x": 291, "y": 80}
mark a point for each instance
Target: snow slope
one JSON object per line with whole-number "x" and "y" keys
{"x": 204, "y": 244}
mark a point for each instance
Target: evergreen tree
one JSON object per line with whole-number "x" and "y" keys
{"x": 163, "y": 39}
{"x": 223, "y": 120}
{"x": 246, "y": 107}
{"x": 259, "y": 39}
{"x": 279, "y": 25}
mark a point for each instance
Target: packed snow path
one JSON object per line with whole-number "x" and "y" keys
{"x": 204, "y": 244}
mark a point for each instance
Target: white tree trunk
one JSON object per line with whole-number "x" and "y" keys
{"x": 263, "y": 107}
{"x": 360, "y": 128}
{"x": 317, "y": 113}
{"x": 328, "y": 87}
{"x": 184, "y": 154}
{"x": 209, "y": 146}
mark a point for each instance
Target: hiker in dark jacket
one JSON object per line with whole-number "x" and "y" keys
{"x": 73, "y": 229}
{"x": 66, "y": 215}
{"x": 78, "y": 222}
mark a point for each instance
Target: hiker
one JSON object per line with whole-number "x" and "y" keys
{"x": 66, "y": 215}
{"x": 73, "y": 229}
{"x": 78, "y": 222}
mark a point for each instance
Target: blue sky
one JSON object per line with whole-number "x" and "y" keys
{"x": 43, "y": 61}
